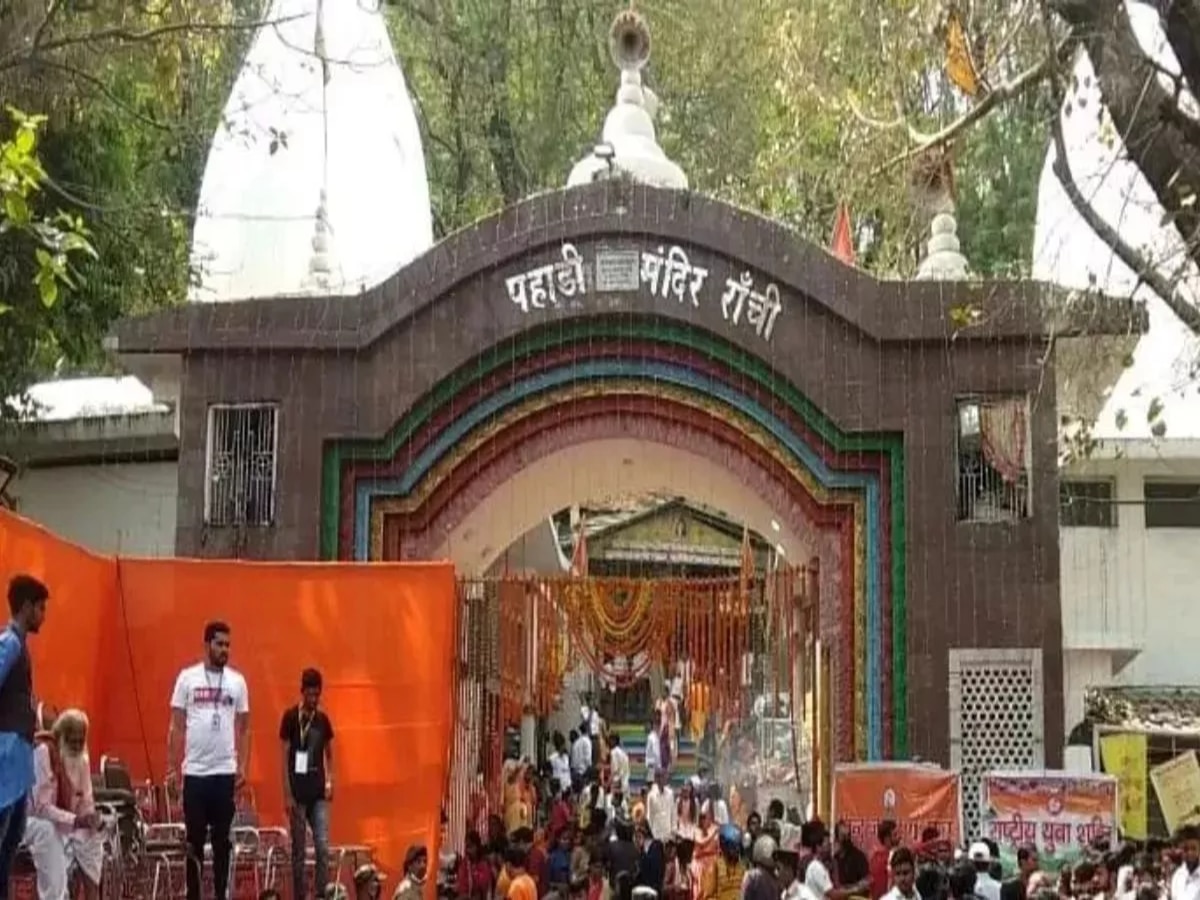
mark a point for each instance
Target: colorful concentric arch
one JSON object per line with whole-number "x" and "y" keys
{"x": 554, "y": 386}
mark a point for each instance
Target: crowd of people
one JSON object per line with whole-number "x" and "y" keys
{"x": 672, "y": 847}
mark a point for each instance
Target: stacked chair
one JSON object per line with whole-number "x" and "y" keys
{"x": 147, "y": 853}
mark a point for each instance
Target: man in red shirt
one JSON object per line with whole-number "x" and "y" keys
{"x": 880, "y": 873}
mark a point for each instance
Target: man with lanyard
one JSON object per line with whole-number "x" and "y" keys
{"x": 27, "y": 604}
{"x": 210, "y": 707}
{"x": 307, "y": 737}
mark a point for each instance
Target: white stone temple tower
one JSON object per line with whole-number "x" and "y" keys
{"x": 315, "y": 182}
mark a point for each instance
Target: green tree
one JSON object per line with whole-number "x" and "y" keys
{"x": 128, "y": 99}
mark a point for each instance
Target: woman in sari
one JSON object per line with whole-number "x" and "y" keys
{"x": 707, "y": 848}
{"x": 604, "y": 762}
{"x": 686, "y": 812}
{"x": 668, "y": 748}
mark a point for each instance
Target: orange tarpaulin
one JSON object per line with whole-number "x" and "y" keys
{"x": 119, "y": 630}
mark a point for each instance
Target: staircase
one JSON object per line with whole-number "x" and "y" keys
{"x": 633, "y": 740}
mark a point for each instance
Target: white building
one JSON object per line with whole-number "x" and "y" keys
{"x": 95, "y": 462}
{"x": 1130, "y": 510}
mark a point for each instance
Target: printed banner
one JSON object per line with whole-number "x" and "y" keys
{"x": 1124, "y": 757}
{"x": 914, "y": 796}
{"x": 1177, "y": 784}
{"x": 1058, "y": 812}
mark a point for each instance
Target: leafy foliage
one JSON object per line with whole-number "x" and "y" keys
{"x": 43, "y": 249}
{"x": 784, "y": 108}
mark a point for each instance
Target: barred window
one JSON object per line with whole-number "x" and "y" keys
{"x": 1086, "y": 503}
{"x": 1172, "y": 504}
{"x": 993, "y": 459}
{"x": 241, "y": 465}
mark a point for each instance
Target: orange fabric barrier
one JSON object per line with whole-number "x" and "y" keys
{"x": 119, "y": 630}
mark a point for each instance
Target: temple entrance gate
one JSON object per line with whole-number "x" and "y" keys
{"x": 616, "y": 337}
{"x": 752, "y": 656}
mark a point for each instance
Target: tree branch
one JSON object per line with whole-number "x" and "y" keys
{"x": 1135, "y": 260}
{"x": 127, "y": 36}
{"x": 1181, "y": 20}
{"x": 1135, "y": 98}
{"x": 999, "y": 95}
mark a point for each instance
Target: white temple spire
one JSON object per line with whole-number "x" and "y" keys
{"x": 629, "y": 145}
{"x": 320, "y": 266}
{"x": 944, "y": 261}
{"x": 315, "y": 182}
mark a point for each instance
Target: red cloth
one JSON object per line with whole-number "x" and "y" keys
{"x": 538, "y": 868}
{"x": 879, "y": 873}
{"x": 474, "y": 879}
{"x": 560, "y": 818}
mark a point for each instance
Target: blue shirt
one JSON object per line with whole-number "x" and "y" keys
{"x": 16, "y": 753}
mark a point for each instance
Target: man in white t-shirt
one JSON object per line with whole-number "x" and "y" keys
{"x": 210, "y": 707}
{"x": 1185, "y": 882}
{"x": 818, "y": 884}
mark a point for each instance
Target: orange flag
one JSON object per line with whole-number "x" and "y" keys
{"x": 842, "y": 242}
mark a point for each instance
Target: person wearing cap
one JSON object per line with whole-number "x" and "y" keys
{"x": 368, "y": 882}
{"x": 986, "y": 887}
{"x": 416, "y": 864}
{"x": 760, "y": 882}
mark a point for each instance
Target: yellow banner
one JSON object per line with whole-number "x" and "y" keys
{"x": 1124, "y": 756}
{"x": 1177, "y": 784}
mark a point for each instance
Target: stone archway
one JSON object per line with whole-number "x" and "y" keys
{"x": 615, "y": 312}
{"x": 494, "y": 422}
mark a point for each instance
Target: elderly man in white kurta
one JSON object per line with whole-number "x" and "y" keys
{"x": 62, "y": 826}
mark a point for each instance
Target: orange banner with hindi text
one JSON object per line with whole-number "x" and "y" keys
{"x": 914, "y": 796}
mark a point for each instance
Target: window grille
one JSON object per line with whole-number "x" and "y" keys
{"x": 993, "y": 459}
{"x": 242, "y": 465}
{"x": 1172, "y": 504}
{"x": 1086, "y": 503}
{"x": 995, "y": 719}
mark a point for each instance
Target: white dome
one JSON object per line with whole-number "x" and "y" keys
{"x": 287, "y": 140}
{"x": 1068, "y": 252}
{"x": 629, "y": 134}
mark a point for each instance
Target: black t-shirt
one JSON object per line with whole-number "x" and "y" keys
{"x": 308, "y": 735}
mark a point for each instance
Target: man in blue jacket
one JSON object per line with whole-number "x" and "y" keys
{"x": 18, "y": 718}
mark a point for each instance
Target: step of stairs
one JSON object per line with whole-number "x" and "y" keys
{"x": 633, "y": 740}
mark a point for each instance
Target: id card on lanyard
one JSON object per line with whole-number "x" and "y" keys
{"x": 300, "y": 765}
{"x": 217, "y": 695}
